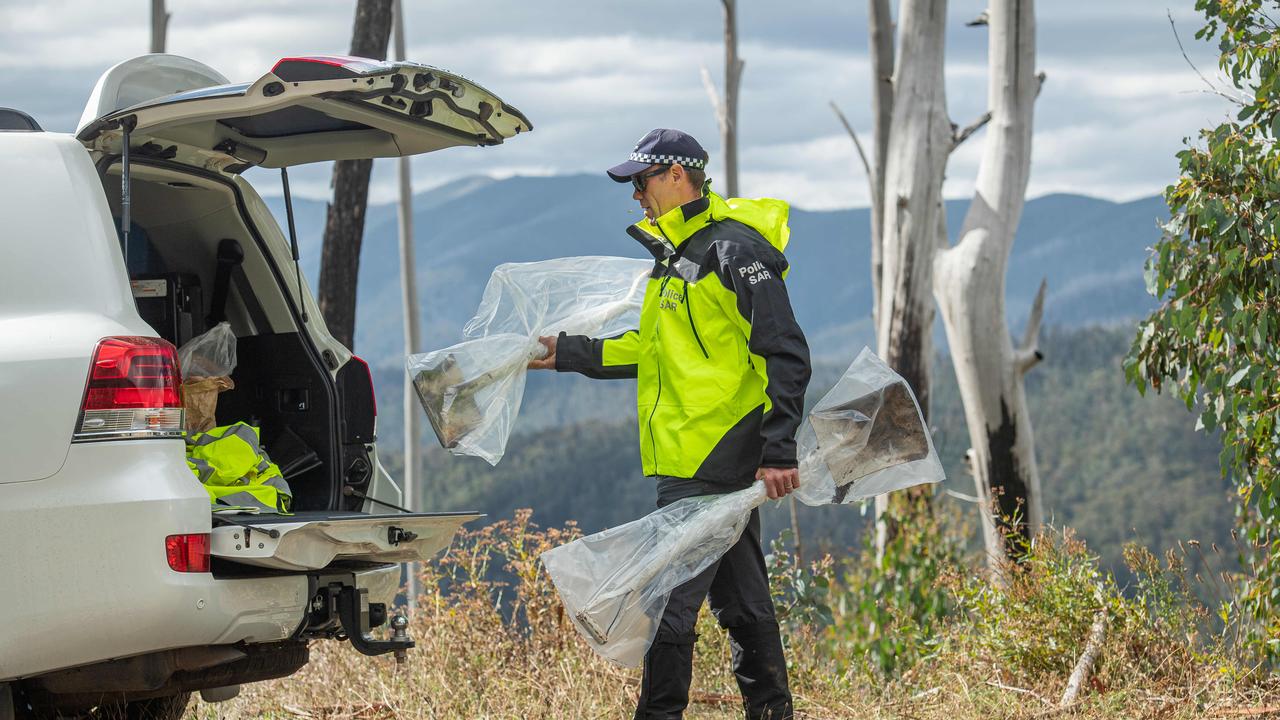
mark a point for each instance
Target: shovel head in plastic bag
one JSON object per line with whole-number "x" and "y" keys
{"x": 868, "y": 434}
{"x": 437, "y": 383}
{"x": 471, "y": 391}
{"x": 865, "y": 437}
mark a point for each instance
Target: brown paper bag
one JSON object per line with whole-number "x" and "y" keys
{"x": 200, "y": 398}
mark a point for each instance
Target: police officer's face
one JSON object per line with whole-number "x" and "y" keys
{"x": 657, "y": 189}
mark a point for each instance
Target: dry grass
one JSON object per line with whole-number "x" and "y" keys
{"x": 471, "y": 661}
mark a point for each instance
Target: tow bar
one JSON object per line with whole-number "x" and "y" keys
{"x": 358, "y": 616}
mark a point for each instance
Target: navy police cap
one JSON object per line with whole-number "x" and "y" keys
{"x": 661, "y": 147}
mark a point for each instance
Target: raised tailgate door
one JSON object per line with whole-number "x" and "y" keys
{"x": 306, "y": 109}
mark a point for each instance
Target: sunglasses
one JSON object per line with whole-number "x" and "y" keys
{"x": 639, "y": 181}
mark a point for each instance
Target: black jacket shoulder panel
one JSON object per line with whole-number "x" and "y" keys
{"x": 737, "y": 246}
{"x": 720, "y": 245}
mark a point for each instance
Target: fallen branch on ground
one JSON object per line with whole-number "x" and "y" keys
{"x": 1085, "y": 664}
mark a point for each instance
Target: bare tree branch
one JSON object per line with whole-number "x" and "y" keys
{"x": 1031, "y": 335}
{"x": 713, "y": 95}
{"x": 1212, "y": 88}
{"x": 866, "y": 165}
{"x": 968, "y": 285}
{"x": 1028, "y": 354}
{"x": 960, "y": 136}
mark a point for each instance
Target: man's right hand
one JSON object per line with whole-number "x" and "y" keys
{"x": 548, "y": 362}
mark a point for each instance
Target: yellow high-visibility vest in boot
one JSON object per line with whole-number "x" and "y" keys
{"x": 236, "y": 472}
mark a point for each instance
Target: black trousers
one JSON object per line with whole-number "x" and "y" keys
{"x": 738, "y": 589}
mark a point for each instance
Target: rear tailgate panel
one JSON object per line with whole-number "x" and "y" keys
{"x": 316, "y": 540}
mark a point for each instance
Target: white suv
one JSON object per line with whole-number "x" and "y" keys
{"x": 120, "y": 589}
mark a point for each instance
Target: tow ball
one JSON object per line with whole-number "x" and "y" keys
{"x": 358, "y": 615}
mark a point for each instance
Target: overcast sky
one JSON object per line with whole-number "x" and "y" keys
{"x": 595, "y": 75}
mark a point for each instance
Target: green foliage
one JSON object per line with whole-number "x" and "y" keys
{"x": 1117, "y": 467}
{"x": 1215, "y": 340}
{"x": 928, "y": 609}
{"x": 888, "y": 610}
{"x": 1033, "y": 622}
{"x": 800, "y": 594}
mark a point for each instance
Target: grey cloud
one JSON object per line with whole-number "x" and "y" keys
{"x": 593, "y": 76}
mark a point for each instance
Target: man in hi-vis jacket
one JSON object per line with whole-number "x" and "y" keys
{"x": 722, "y": 368}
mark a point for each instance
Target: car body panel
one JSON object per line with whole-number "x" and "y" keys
{"x": 92, "y": 581}
{"x": 51, "y": 318}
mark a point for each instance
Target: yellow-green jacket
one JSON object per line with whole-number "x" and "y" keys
{"x": 721, "y": 363}
{"x": 236, "y": 472}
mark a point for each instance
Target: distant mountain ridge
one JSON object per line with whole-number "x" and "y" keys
{"x": 1091, "y": 251}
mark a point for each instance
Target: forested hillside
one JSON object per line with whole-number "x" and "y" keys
{"x": 1115, "y": 466}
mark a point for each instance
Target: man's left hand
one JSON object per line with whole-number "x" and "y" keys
{"x": 779, "y": 482}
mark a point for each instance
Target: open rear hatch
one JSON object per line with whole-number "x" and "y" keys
{"x": 317, "y": 540}
{"x": 306, "y": 109}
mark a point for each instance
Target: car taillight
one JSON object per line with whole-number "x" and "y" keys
{"x": 132, "y": 391}
{"x": 373, "y": 399}
{"x": 188, "y": 553}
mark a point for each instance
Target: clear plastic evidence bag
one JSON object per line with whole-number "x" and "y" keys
{"x": 864, "y": 438}
{"x": 472, "y": 391}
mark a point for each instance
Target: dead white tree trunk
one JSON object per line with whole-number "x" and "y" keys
{"x": 920, "y": 140}
{"x": 969, "y": 283}
{"x": 880, "y": 28}
{"x": 915, "y": 162}
{"x": 726, "y": 106}
{"x": 913, "y": 138}
{"x": 159, "y": 25}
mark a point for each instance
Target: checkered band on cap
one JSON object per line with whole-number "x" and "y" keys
{"x": 669, "y": 160}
